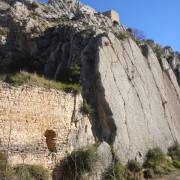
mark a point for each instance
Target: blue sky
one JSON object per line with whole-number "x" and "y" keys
{"x": 158, "y": 19}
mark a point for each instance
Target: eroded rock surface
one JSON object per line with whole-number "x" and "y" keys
{"x": 132, "y": 90}
{"x": 39, "y": 126}
{"x": 136, "y": 110}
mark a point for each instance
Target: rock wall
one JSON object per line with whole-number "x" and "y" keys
{"x": 137, "y": 101}
{"x": 39, "y": 126}
{"x": 133, "y": 93}
{"x": 113, "y": 15}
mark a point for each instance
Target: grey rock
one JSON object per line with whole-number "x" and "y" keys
{"x": 104, "y": 157}
{"x": 2, "y": 40}
{"x": 4, "y": 6}
{"x": 132, "y": 97}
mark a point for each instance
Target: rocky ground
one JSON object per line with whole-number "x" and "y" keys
{"x": 173, "y": 176}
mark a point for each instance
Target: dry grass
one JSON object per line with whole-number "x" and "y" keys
{"x": 25, "y": 78}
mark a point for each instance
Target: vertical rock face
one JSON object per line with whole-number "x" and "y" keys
{"x": 137, "y": 101}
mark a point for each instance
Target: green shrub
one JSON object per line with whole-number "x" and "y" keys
{"x": 174, "y": 152}
{"x": 73, "y": 74}
{"x": 149, "y": 42}
{"x": 31, "y": 172}
{"x": 78, "y": 162}
{"x": 134, "y": 166}
{"x": 116, "y": 172}
{"x": 122, "y": 35}
{"x": 86, "y": 108}
{"x": 70, "y": 75}
{"x": 21, "y": 78}
{"x": 21, "y": 172}
{"x": 176, "y": 164}
{"x": 158, "y": 50}
{"x": 34, "y": 5}
{"x": 156, "y": 160}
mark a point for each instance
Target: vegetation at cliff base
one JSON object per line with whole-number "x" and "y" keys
{"x": 157, "y": 161}
{"x": 118, "y": 171}
{"x": 25, "y": 78}
{"x": 31, "y": 172}
{"x": 174, "y": 153}
{"x": 21, "y": 171}
{"x": 77, "y": 163}
{"x": 5, "y": 169}
{"x": 134, "y": 166}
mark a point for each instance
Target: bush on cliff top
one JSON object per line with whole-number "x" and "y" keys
{"x": 34, "y": 5}
{"x": 25, "y": 78}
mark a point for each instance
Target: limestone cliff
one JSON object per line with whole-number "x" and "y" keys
{"x": 131, "y": 89}
{"x": 135, "y": 106}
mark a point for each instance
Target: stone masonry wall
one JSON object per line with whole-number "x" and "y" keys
{"x": 113, "y": 15}
{"x": 28, "y": 114}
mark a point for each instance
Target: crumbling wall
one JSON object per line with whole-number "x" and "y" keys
{"x": 31, "y": 116}
{"x": 113, "y": 15}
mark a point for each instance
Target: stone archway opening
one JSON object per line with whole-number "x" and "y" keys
{"x": 50, "y": 140}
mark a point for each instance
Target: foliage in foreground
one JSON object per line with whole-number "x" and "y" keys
{"x": 157, "y": 161}
{"x": 31, "y": 172}
{"x": 117, "y": 171}
{"x": 77, "y": 163}
{"x": 25, "y": 78}
{"x": 174, "y": 153}
{"x": 134, "y": 166}
{"x": 22, "y": 171}
{"x": 5, "y": 169}
{"x": 156, "y": 164}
